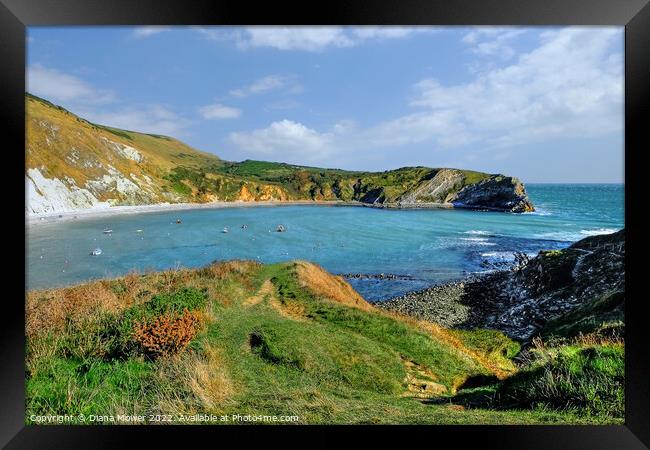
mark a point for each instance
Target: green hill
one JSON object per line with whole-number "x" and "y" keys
{"x": 73, "y": 164}
{"x": 241, "y": 338}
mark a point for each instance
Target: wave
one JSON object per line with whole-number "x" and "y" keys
{"x": 477, "y": 241}
{"x": 598, "y": 231}
{"x": 504, "y": 255}
{"x": 539, "y": 212}
{"x": 574, "y": 235}
{"x": 450, "y": 243}
{"x": 498, "y": 255}
{"x": 479, "y": 232}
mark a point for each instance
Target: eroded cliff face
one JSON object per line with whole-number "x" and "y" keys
{"x": 497, "y": 192}
{"x": 442, "y": 188}
{"x": 587, "y": 276}
{"x": 453, "y": 187}
{"x": 262, "y": 193}
{"x": 73, "y": 164}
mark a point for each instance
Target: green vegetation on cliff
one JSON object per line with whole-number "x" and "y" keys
{"x": 127, "y": 167}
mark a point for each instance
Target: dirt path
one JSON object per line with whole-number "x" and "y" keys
{"x": 267, "y": 288}
{"x": 420, "y": 382}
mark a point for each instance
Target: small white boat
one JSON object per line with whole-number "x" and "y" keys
{"x": 225, "y": 230}
{"x": 138, "y": 231}
{"x": 96, "y": 252}
{"x": 107, "y": 231}
{"x": 280, "y": 229}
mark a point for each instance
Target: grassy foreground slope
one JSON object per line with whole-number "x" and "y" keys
{"x": 249, "y": 339}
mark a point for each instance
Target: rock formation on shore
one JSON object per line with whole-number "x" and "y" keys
{"x": 580, "y": 289}
{"x": 450, "y": 186}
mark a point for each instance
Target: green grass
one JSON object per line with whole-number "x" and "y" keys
{"x": 269, "y": 345}
{"x": 585, "y": 379}
{"x": 589, "y": 379}
{"x": 602, "y": 315}
{"x": 491, "y": 343}
{"x": 116, "y": 131}
{"x": 71, "y": 386}
{"x": 473, "y": 177}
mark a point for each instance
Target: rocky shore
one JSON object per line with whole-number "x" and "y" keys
{"x": 375, "y": 276}
{"x": 440, "y": 304}
{"x": 588, "y": 277}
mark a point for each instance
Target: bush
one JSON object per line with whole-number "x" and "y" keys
{"x": 166, "y": 335}
{"x": 161, "y": 326}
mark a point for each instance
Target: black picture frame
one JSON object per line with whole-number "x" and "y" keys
{"x": 16, "y": 15}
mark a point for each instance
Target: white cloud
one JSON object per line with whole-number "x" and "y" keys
{"x": 58, "y": 86}
{"x": 219, "y": 111}
{"x": 297, "y": 38}
{"x": 155, "y": 119}
{"x": 286, "y": 138}
{"x": 314, "y": 38}
{"x": 570, "y": 86}
{"x": 371, "y": 32}
{"x": 269, "y": 83}
{"x": 493, "y": 41}
{"x": 148, "y": 31}
{"x": 99, "y": 106}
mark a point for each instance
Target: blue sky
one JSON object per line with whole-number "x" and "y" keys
{"x": 544, "y": 104}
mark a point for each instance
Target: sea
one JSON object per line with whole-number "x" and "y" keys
{"x": 413, "y": 248}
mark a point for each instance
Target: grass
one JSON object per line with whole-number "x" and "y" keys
{"x": 283, "y": 339}
{"x": 602, "y": 315}
{"x": 492, "y": 344}
{"x": 586, "y": 377}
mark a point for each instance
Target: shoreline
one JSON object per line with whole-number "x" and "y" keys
{"x": 91, "y": 213}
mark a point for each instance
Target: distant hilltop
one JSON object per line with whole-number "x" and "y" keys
{"x": 73, "y": 164}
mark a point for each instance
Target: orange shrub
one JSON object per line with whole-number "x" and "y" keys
{"x": 167, "y": 334}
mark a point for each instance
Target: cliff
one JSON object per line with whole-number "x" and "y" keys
{"x": 73, "y": 164}
{"x": 580, "y": 289}
{"x": 563, "y": 292}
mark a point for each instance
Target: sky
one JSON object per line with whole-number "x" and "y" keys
{"x": 544, "y": 104}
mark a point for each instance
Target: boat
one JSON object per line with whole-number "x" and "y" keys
{"x": 280, "y": 229}
{"x": 244, "y": 226}
{"x": 179, "y": 221}
{"x": 96, "y": 252}
{"x": 225, "y": 230}
{"x": 107, "y": 231}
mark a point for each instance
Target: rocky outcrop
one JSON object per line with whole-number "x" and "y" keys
{"x": 521, "y": 302}
{"x": 451, "y": 187}
{"x": 558, "y": 292}
{"x": 442, "y": 188}
{"x": 497, "y": 193}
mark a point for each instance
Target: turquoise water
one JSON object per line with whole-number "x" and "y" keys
{"x": 424, "y": 247}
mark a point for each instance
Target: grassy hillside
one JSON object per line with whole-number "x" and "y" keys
{"x": 106, "y": 161}
{"x": 244, "y": 338}
{"x": 72, "y": 164}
